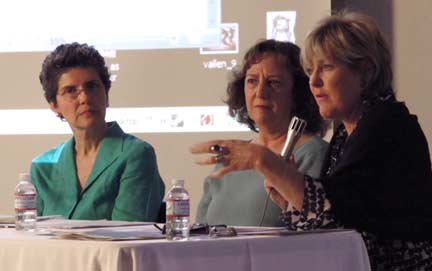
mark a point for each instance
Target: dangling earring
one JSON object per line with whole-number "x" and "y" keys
{"x": 61, "y": 117}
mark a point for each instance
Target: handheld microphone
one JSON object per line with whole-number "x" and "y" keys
{"x": 295, "y": 130}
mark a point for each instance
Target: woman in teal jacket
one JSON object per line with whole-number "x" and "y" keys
{"x": 101, "y": 172}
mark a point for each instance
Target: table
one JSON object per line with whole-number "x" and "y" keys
{"x": 342, "y": 250}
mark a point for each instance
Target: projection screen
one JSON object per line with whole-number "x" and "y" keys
{"x": 169, "y": 60}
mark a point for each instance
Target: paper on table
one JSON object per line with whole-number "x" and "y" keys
{"x": 10, "y": 219}
{"x": 7, "y": 219}
{"x": 146, "y": 232}
{"x": 48, "y": 217}
{"x": 59, "y": 224}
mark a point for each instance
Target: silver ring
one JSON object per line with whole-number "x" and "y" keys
{"x": 218, "y": 158}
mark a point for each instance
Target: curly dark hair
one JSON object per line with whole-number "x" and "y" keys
{"x": 304, "y": 105}
{"x": 69, "y": 56}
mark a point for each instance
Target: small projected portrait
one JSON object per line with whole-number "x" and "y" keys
{"x": 280, "y": 25}
{"x": 229, "y": 41}
{"x": 207, "y": 120}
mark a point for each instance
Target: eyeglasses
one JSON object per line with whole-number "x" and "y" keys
{"x": 72, "y": 92}
{"x": 205, "y": 229}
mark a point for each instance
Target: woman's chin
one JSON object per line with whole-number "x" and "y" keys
{"x": 326, "y": 114}
{"x": 88, "y": 123}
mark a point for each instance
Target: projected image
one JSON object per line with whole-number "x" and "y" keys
{"x": 280, "y": 25}
{"x": 109, "y": 24}
{"x": 133, "y": 120}
{"x": 229, "y": 41}
{"x": 170, "y": 63}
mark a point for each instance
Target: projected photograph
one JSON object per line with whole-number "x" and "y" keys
{"x": 109, "y": 24}
{"x": 229, "y": 41}
{"x": 169, "y": 66}
{"x": 280, "y": 25}
{"x": 169, "y": 62}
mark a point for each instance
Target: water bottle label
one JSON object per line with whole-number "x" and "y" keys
{"x": 24, "y": 202}
{"x": 177, "y": 208}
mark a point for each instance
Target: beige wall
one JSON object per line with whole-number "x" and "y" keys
{"x": 407, "y": 26}
{"x": 413, "y": 58}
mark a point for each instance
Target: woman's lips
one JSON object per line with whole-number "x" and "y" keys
{"x": 261, "y": 106}
{"x": 321, "y": 96}
{"x": 87, "y": 111}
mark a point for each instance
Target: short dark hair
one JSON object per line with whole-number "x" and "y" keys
{"x": 69, "y": 56}
{"x": 304, "y": 105}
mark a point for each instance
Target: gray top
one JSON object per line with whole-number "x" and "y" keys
{"x": 239, "y": 197}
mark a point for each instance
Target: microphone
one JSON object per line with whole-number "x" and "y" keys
{"x": 295, "y": 130}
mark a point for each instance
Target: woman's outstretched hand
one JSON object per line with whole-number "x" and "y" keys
{"x": 232, "y": 155}
{"x": 280, "y": 177}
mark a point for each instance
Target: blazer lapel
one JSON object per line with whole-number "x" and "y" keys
{"x": 67, "y": 175}
{"x": 110, "y": 148}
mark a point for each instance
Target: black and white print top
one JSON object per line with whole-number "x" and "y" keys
{"x": 316, "y": 213}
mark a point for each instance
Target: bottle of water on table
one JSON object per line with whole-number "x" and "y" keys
{"x": 25, "y": 204}
{"x": 177, "y": 211}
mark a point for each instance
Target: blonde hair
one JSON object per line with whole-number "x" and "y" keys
{"x": 353, "y": 39}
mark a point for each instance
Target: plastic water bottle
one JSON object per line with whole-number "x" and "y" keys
{"x": 25, "y": 204}
{"x": 177, "y": 211}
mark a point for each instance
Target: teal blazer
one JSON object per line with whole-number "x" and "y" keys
{"x": 124, "y": 183}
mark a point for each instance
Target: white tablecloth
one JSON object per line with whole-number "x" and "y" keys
{"x": 317, "y": 251}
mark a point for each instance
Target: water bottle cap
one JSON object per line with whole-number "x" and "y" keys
{"x": 177, "y": 181}
{"x": 24, "y": 177}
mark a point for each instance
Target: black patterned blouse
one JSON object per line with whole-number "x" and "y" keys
{"x": 384, "y": 253}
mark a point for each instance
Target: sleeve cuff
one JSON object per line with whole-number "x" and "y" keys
{"x": 315, "y": 212}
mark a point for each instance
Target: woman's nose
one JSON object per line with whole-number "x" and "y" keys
{"x": 83, "y": 95}
{"x": 315, "y": 79}
{"x": 262, "y": 89}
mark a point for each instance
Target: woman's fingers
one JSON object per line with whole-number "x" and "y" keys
{"x": 230, "y": 154}
{"x": 208, "y": 160}
{"x": 221, "y": 172}
{"x": 217, "y": 146}
{"x": 205, "y": 147}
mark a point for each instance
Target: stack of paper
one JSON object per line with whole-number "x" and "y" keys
{"x": 7, "y": 221}
{"x": 65, "y": 224}
{"x": 105, "y": 230}
{"x": 147, "y": 232}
